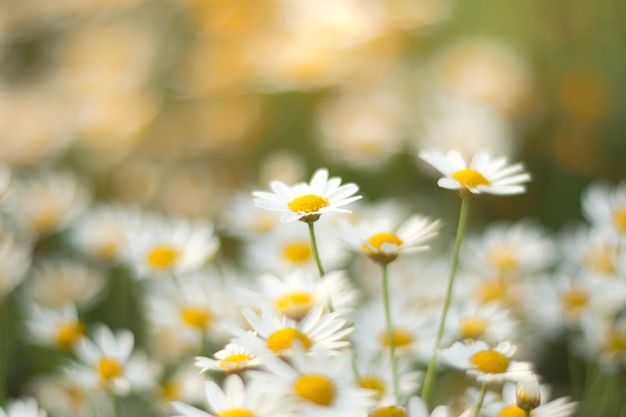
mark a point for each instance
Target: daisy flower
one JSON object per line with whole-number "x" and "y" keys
{"x": 507, "y": 406}
{"x": 483, "y": 174}
{"x": 15, "y": 259}
{"x": 307, "y": 202}
{"x": 486, "y": 364}
{"x": 605, "y": 206}
{"x": 165, "y": 246}
{"x": 604, "y": 340}
{"x": 382, "y": 242}
{"x": 26, "y": 407}
{"x": 490, "y": 322}
{"x": 415, "y": 408}
{"x": 279, "y": 334}
{"x": 243, "y": 220}
{"x": 375, "y": 373}
{"x": 237, "y": 399}
{"x": 298, "y": 292}
{"x": 320, "y": 384}
{"x": 595, "y": 251}
{"x": 182, "y": 384}
{"x": 107, "y": 362}
{"x": 56, "y": 328}
{"x": 233, "y": 358}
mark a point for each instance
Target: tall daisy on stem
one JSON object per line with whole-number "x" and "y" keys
{"x": 483, "y": 174}
{"x": 308, "y": 201}
{"x": 383, "y": 244}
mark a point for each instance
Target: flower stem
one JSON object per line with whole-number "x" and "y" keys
{"x": 392, "y": 343}
{"x": 430, "y": 372}
{"x": 320, "y": 268}
{"x": 481, "y": 398}
{"x": 4, "y": 347}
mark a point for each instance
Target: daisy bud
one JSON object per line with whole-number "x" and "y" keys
{"x": 528, "y": 394}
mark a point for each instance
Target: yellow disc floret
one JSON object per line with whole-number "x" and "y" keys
{"x": 283, "y": 339}
{"x": 574, "y": 301}
{"x": 470, "y": 178}
{"x": 69, "y": 332}
{"x": 316, "y": 388}
{"x": 619, "y": 219}
{"x": 380, "y": 238}
{"x": 490, "y": 362}
{"x": 298, "y": 252}
{"x": 401, "y": 337}
{"x": 389, "y": 411}
{"x": 512, "y": 411}
{"x": 236, "y": 361}
{"x": 109, "y": 368}
{"x": 236, "y": 412}
{"x": 198, "y": 317}
{"x": 473, "y": 327}
{"x": 374, "y": 383}
{"x": 309, "y": 203}
{"x": 162, "y": 257}
{"x": 295, "y": 305}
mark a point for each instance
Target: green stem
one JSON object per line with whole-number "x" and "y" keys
{"x": 481, "y": 398}
{"x": 526, "y": 413}
{"x": 392, "y": 343}
{"x": 4, "y": 347}
{"x": 430, "y": 371}
{"x": 320, "y": 268}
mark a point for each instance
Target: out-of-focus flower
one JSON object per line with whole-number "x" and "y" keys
{"x": 57, "y": 283}
{"x": 15, "y": 258}
{"x": 308, "y": 201}
{"x": 26, "y": 407}
{"x": 593, "y": 251}
{"x": 508, "y": 405}
{"x": 375, "y": 374}
{"x": 236, "y": 398}
{"x": 56, "y": 328}
{"x": 483, "y": 174}
{"x": 166, "y": 246}
{"x": 605, "y": 206}
{"x": 584, "y": 95}
{"x": 484, "y": 363}
{"x": 603, "y": 340}
{"x": 183, "y": 384}
{"x": 48, "y": 201}
{"x": 61, "y": 394}
{"x": 382, "y": 242}
{"x": 490, "y": 323}
{"x": 242, "y": 219}
{"x": 107, "y": 362}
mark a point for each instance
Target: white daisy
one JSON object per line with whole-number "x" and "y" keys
{"x": 321, "y": 384}
{"x": 56, "y": 328}
{"x": 15, "y": 259}
{"x": 237, "y": 399}
{"x": 482, "y": 175}
{"x": 383, "y": 242}
{"x": 489, "y": 322}
{"x": 595, "y": 251}
{"x": 107, "y": 362}
{"x": 307, "y": 202}
{"x": 26, "y": 407}
{"x": 484, "y": 363}
{"x": 375, "y": 373}
{"x": 242, "y": 219}
{"x": 233, "y": 358}
{"x": 63, "y": 395}
{"x": 507, "y": 406}
{"x": 279, "y": 334}
{"x": 165, "y": 246}
{"x": 603, "y": 340}
{"x": 299, "y": 291}
{"x": 415, "y": 408}
{"x": 182, "y": 384}
{"x": 605, "y": 206}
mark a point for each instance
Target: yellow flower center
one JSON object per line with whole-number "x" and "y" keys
{"x": 315, "y": 388}
{"x": 470, "y": 178}
{"x": 238, "y": 360}
{"x": 619, "y": 219}
{"x": 389, "y": 411}
{"x": 473, "y": 327}
{"x": 198, "y": 317}
{"x": 69, "y": 332}
{"x": 47, "y": 219}
{"x": 108, "y": 249}
{"x": 109, "y": 368}
{"x": 400, "y": 337}
{"x": 503, "y": 259}
{"x": 236, "y": 412}
{"x": 378, "y": 240}
{"x": 601, "y": 259}
{"x": 162, "y": 257}
{"x": 574, "y": 300}
{"x": 374, "y": 383}
{"x": 170, "y": 391}
{"x": 512, "y": 411}
{"x": 295, "y": 305}
{"x": 615, "y": 342}
{"x": 283, "y": 339}
{"x": 495, "y": 290}
{"x": 298, "y": 252}
{"x": 309, "y": 203}
{"x": 490, "y": 362}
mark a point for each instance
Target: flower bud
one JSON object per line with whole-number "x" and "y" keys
{"x": 528, "y": 393}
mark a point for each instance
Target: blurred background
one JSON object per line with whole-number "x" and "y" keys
{"x": 171, "y": 104}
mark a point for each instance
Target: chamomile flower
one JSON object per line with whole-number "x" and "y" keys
{"x": 242, "y": 219}
{"x": 415, "y": 408}
{"x": 279, "y": 334}
{"x": 383, "y": 242}
{"x": 489, "y": 322}
{"x": 307, "y": 201}
{"x": 107, "y": 362}
{"x": 63, "y": 395}
{"x": 15, "y": 258}
{"x": 26, "y": 407}
{"x": 483, "y": 174}
{"x": 56, "y": 328}
{"x": 57, "y": 283}
{"x": 604, "y": 340}
{"x": 486, "y": 364}
{"x": 375, "y": 373}
{"x": 507, "y": 406}
{"x": 605, "y": 206}
{"x": 165, "y": 246}
{"x": 237, "y": 399}
{"x": 295, "y": 294}
{"x": 183, "y": 384}
{"x": 320, "y": 384}
{"x": 594, "y": 251}
{"x": 233, "y": 358}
